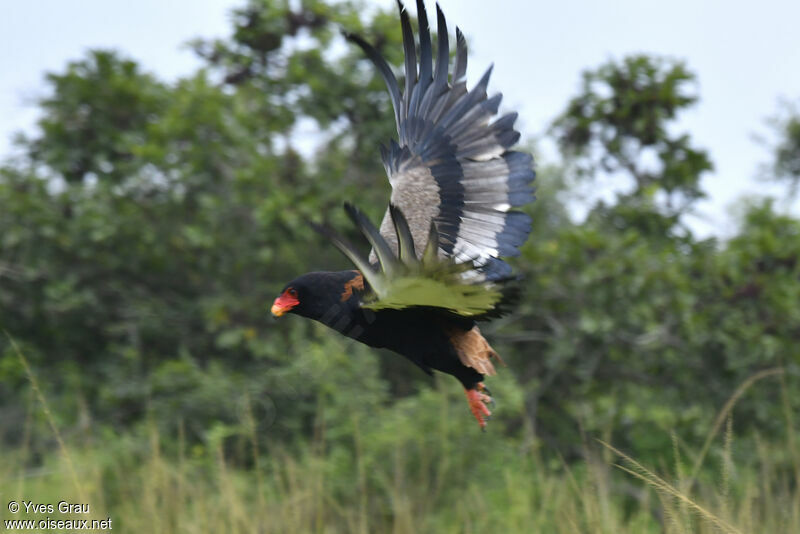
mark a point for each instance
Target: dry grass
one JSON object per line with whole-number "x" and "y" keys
{"x": 296, "y": 494}
{"x": 409, "y": 484}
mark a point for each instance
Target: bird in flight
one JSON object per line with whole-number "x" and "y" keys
{"x": 434, "y": 270}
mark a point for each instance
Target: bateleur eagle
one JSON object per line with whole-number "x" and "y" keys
{"x": 435, "y": 266}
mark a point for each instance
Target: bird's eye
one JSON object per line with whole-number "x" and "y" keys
{"x": 292, "y": 292}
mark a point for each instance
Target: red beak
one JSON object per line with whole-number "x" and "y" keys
{"x": 283, "y": 304}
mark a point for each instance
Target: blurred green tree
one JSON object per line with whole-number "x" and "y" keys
{"x": 619, "y": 125}
{"x": 150, "y": 225}
{"x": 785, "y": 166}
{"x": 628, "y": 328}
{"x": 99, "y": 108}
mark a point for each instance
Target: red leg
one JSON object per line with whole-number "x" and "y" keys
{"x": 478, "y": 401}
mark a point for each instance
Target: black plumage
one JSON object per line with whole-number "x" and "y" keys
{"x": 320, "y": 295}
{"x": 435, "y": 266}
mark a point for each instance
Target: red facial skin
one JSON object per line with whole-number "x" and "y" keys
{"x": 285, "y": 302}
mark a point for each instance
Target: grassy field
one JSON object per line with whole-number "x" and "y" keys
{"x": 383, "y": 479}
{"x": 149, "y": 491}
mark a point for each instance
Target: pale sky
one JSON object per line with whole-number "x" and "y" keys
{"x": 746, "y": 54}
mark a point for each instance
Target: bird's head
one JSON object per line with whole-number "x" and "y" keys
{"x": 313, "y": 295}
{"x": 287, "y": 301}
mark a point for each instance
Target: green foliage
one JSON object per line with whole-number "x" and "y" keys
{"x": 786, "y": 164}
{"x": 339, "y": 93}
{"x": 619, "y": 123}
{"x": 100, "y": 107}
{"x": 149, "y": 226}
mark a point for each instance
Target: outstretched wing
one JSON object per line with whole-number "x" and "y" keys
{"x": 403, "y": 278}
{"x": 452, "y": 165}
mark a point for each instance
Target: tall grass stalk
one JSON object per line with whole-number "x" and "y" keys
{"x": 659, "y": 484}
{"x": 49, "y": 416}
{"x": 385, "y": 475}
{"x": 726, "y": 410}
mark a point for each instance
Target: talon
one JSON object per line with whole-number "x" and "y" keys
{"x": 478, "y": 402}
{"x": 486, "y": 395}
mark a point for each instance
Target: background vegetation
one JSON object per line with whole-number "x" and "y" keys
{"x": 147, "y": 227}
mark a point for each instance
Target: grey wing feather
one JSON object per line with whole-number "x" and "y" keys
{"x": 452, "y": 165}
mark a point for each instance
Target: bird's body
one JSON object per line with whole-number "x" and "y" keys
{"x": 436, "y": 335}
{"x": 435, "y": 266}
